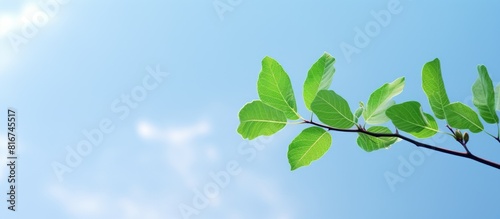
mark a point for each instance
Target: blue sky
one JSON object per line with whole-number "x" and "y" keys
{"x": 84, "y": 60}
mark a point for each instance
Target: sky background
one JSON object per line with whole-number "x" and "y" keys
{"x": 64, "y": 78}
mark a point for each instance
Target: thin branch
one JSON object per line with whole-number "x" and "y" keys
{"x": 451, "y": 130}
{"x": 465, "y": 147}
{"x": 412, "y": 141}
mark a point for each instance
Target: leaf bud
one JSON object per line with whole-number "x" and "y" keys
{"x": 466, "y": 137}
{"x": 458, "y": 136}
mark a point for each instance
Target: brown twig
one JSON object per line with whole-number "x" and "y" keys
{"x": 359, "y": 129}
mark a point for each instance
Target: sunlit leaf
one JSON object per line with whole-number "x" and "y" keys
{"x": 380, "y": 100}
{"x": 310, "y": 145}
{"x": 275, "y": 89}
{"x": 358, "y": 113}
{"x": 318, "y": 78}
{"x": 428, "y": 131}
{"x": 484, "y": 96}
{"x": 332, "y": 109}
{"x": 370, "y": 143}
{"x": 461, "y": 116}
{"x": 258, "y": 119}
{"x": 410, "y": 118}
{"x": 433, "y": 86}
{"x": 497, "y": 97}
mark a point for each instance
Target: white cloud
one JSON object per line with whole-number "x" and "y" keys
{"x": 180, "y": 147}
{"x": 178, "y": 136}
{"x": 185, "y": 148}
{"x": 269, "y": 194}
{"x": 185, "y": 135}
{"x": 91, "y": 204}
{"x": 146, "y": 130}
{"x": 188, "y": 157}
{"x": 78, "y": 203}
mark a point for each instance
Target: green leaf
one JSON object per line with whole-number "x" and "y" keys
{"x": 409, "y": 117}
{"x": 380, "y": 100}
{"x": 497, "y": 95}
{"x": 275, "y": 89}
{"x": 310, "y": 145}
{"x": 332, "y": 109}
{"x": 318, "y": 78}
{"x": 484, "y": 96}
{"x": 358, "y": 113}
{"x": 461, "y": 116}
{"x": 370, "y": 143}
{"x": 430, "y": 130}
{"x": 433, "y": 86}
{"x": 257, "y": 119}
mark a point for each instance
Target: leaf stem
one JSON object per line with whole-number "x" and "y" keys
{"x": 465, "y": 147}
{"x": 498, "y": 134}
{"x": 359, "y": 129}
{"x": 295, "y": 123}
